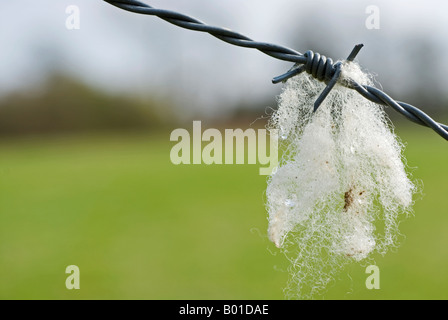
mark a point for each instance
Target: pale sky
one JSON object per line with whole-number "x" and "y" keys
{"x": 128, "y": 53}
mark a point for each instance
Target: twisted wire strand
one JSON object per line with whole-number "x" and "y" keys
{"x": 320, "y": 67}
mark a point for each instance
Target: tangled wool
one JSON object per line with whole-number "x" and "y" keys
{"x": 341, "y": 185}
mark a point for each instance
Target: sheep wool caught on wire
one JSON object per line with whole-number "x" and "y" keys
{"x": 341, "y": 175}
{"x": 341, "y": 186}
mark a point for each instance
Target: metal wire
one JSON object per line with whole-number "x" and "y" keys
{"x": 320, "y": 67}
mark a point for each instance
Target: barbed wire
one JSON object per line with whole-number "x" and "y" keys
{"x": 319, "y": 66}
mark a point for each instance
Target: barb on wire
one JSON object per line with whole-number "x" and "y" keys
{"x": 320, "y": 67}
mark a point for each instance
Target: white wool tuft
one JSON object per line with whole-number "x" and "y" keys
{"x": 341, "y": 174}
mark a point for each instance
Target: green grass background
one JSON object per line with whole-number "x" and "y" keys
{"x": 140, "y": 227}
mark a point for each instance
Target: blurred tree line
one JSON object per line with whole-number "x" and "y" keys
{"x": 65, "y": 105}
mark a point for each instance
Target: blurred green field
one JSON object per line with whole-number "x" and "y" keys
{"x": 140, "y": 227}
